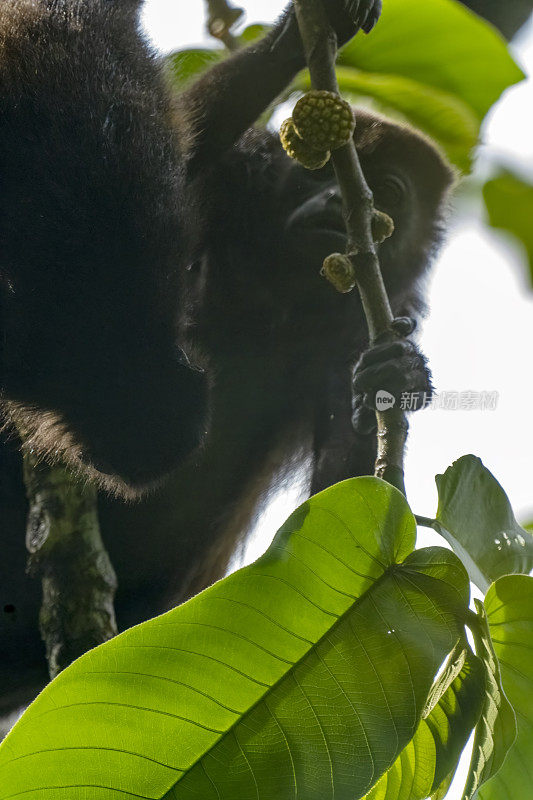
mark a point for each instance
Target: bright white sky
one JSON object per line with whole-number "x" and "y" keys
{"x": 479, "y": 334}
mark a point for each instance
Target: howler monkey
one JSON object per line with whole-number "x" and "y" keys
{"x": 162, "y": 312}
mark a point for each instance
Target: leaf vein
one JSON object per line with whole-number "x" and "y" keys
{"x": 133, "y": 706}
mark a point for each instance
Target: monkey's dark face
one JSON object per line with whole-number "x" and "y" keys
{"x": 315, "y": 225}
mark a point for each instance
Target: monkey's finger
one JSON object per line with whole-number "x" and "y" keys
{"x": 364, "y": 17}
{"x": 373, "y": 17}
{"x": 183, "y": 359}
{"x": 352, "y": 9}
{"x": 388, "y": 376}
{"x": 404, "y": 326}
{"x": 363, "y": 418}
{"x": 381, "y": 352}
{"x": 363, "y": 400}
{"x": 357, "y": 12}
{"x": 369, "y": 401}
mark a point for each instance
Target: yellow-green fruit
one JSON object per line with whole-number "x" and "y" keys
{"x": 382, "y": 226}
{"x": 299, "y": 150}
{"x": 339, "y": 271}
{"x": 323, "y": 120}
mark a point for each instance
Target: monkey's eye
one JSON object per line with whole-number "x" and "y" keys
{"x": 390, "y": 190}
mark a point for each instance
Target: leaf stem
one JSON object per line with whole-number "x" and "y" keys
{"x": 427, "y": 522}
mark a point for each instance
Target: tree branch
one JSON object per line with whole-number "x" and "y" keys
{"x": 67, "y": 553}
{"x": 320, "y": 45}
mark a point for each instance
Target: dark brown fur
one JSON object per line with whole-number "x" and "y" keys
{"x": 93, "y": 240}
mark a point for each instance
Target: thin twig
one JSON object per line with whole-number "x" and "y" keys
{"x": 220, "y": 20}
{"x": 320, "y": 45}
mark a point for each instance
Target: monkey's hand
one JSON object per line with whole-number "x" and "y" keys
{"x": 347, "y": 17}
{"x": 389, "y": 374}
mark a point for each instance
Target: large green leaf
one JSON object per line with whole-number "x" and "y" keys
{"x": 186, "y": 65}
{"x": 303, "y": 675}
{"x": 509, "y": 605}
{"x": 438, "y": 64}
{"x": 439, "y": 44}
{"x": 443, "y": 116}
{"x": 496, "y": 730}
{"x": 479, "y": 523}
{"x": 444, "y": 788}
{"x": 509, "y": 202}
{"x": 433, "y": 753}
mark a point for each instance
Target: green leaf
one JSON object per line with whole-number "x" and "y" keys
{"x": 444, "y": 788}
{"x": 496, "y": 730}
{"x": 437, "y": 63}
{"x": 305, "y": 674}
{"x": 479, "y": 523}
{"x": 432, "y": 755}
{"x": 509, "y": 605}
{"x": 443, "y": 116}
{"x": 440, "y": 44}
{"x": 509, "y": 202}
{"x": 252, "y": 33}
{"x": 452, "y": 721}
{"x": 411, "y": 775}
{"x": 186, "y": 65}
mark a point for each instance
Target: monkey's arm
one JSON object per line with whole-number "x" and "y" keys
{"x": 339, "y": 452}
{"x": 231, "y": 96}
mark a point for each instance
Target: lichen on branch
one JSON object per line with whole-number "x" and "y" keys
{"x": 67, "y": 553}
